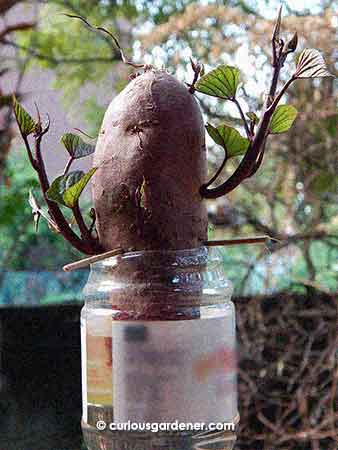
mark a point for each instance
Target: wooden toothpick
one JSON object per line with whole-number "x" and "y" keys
{"x": 239, "y": 241}
{"x": 119, "y": 251}
{"x": 91, "y": 259}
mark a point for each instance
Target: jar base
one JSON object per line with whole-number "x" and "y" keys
{"x": 131, "y": 440}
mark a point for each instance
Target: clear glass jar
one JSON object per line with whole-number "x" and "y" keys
{"x": 158, "y": 347}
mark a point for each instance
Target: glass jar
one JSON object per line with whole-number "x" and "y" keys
{"x": 158, "y": 352}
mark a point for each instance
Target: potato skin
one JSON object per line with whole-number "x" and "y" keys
{"x": 152, "y": 161}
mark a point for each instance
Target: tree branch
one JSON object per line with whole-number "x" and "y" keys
{"x": 17, "y": 27}
{"x": 5, "y": 5}
{"x": 56, "y": 61}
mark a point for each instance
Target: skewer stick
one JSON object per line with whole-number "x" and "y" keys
{"x": 91, "y": 259}
{"x": 119, "y": 251}
{"x": 239, "y": 241}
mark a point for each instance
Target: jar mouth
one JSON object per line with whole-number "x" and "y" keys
{"x": 164, "y": 257}
{"x": 166, "y": 276}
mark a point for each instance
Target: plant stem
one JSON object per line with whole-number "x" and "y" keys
{"x": 85, "y": 233}
{"x": 217, "y": 173}
{"x": 252, "y": 159}
{"x": 281, "y": 93}
{"x": 246, "y": 126}
{"x": 69, "y": 163}
{"x": 89, "y": 247}
{"x": 29, "y": 152}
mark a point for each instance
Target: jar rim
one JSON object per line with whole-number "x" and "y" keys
{"x": 176, "y": 257}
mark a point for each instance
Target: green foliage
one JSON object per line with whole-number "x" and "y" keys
{"x": 86, "y": 56}
{"x": 324, "y": 182}
{"x": 253, "y": 117}
{"x": 229, "y": 138}
{"x": 221, "y": 82}
{"x": 282, "y": 119}
{"x": 25, "y": 122}
{"x": 19, "y": 243}
{"x": 76, "y": 147}
{"x": 311, "y": 64}
{"x": 52, "y": 39}
{"x": 66, "y": 189}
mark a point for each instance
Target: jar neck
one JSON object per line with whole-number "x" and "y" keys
{"x": 169, "y": 274}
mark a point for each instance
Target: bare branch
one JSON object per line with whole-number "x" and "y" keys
{"x": 17, "y": 27}
{"x": 116, "y": 42}
{"x": 57, "y": 61}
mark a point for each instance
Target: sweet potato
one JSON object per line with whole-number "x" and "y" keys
{"x": 152, "y": 161}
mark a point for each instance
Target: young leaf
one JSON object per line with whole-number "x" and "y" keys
{"x": 76, "y": 147}
{"x": 229, "y": 138}
{"x": 55, "y": 191}
{"x": 282, "y": 119}
{"x": 214, "y": 134}
{"x": 311, "y": 64}
{"x": 72, "y": 194}
{"x": 276, "y": 31}
{"x": 253, "y": 117}
{"x": 221, "y": 82}
{"x": 291, "y": 46}
{"x": 25, "y": 122}
{"x": 66, "y": 189}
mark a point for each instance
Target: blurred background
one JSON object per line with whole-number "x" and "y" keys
{"x": 72, "y": 74}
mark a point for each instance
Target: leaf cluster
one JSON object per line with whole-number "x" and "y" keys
{"x": 67, "y": 188}
{"x": 224, "y": 81}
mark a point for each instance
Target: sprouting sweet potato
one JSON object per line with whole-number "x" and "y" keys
{"x": 150, "y": 169}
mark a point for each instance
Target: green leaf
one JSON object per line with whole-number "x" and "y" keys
{"x": 221, "y": 82}
{"x": 282, "y": 119}
{"x": 66, "y": 189}
{"x": 56, "y": 189}
{"x": 311, "y": 64}
{"x": 214, "y": 134}
{"x": 76, "y": 147}
{"x": 229, "y": 138}
{"x": 253, "y": 117}
{"x": 72, "y": 193}
{"x": 25, "y": 122}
